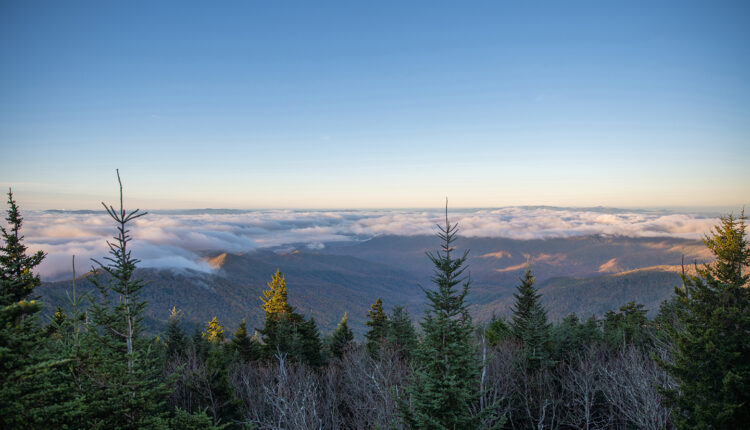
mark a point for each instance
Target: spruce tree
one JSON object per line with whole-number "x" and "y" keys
{"x": 214, "y": 332}
{"x": 176, "y": 340}
{"x": 34, "y": 389}
{"x": 342, "y": 338}
{"x": 16, "y": 268}
{"x": 126, "y": 387}
{"x": 401, "y": 335}
{"x": 275, "y": 298}
{"x": 247, "y": 348}
{"x": 529, "y": 324}
{"x": 629, "y": 325}
{"x": 286, "y": 331}
{"x": 497, "y": 331}
{"x": 711, "y": 357}
{"x": 445, "y": 386}
{"x": 377, "y": 321}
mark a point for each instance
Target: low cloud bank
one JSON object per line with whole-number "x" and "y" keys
{"x": 179, "y": 239}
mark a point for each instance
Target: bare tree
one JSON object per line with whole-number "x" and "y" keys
{"x": 631, "y": 381}
{"x": 280, "y": 396}
{"x": 498, "y": 380}
{"x": 582, "y": 390}
{"x": 371, "y": 387}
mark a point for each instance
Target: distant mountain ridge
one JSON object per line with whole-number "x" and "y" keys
{"x": 582, "y": 275}
{"x": 323, "y": 286}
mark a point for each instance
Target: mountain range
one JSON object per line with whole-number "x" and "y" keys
{"x": 581, "y": 275}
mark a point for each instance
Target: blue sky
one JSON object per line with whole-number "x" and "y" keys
{"x": 377, "y": 104}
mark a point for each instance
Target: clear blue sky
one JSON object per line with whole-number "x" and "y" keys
{"x": 375, "y": 104}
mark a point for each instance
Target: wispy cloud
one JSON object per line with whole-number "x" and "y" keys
{"x": 180, "y": 239}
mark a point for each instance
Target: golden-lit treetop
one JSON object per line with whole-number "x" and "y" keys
{"x": 275, "y": 298}
{"x": 214, "y": 331}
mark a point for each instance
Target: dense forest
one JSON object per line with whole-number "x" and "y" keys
{"x": 92, "y": 366}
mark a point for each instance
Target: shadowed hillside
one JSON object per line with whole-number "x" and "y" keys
{"x": 323, "y": 286}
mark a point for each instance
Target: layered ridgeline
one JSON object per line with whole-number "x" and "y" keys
{"x": 583, "y": 275}
{"x": 321, "y": 286}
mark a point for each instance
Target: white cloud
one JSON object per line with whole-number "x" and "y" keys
{"x": 173, "y": 239}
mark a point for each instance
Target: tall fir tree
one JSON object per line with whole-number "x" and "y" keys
{"x": 35, "y": 391}
{"x": 285, "y": 331}
{"x": 176, "y": 341}
{"x": 629, "y": 325}
{"x": 16, "y": 273}
{"x": 529, "y": 324}
{"x": 342, "y": 338}
{"x": 127, "y": 389}
{"x": 275, "y": 298}
{"x": 711, "y": 349}
{"x": 214, "y": 332}
{"x": 401, "y": 335}
{"x": 248, "y": 348}
{"x": 497, "y": 331}
{"x": 445, "y": 386}
{"x": 377, "y": 321}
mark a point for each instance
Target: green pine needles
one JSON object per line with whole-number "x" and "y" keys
{"x": 711, "y": 348}
{"x": 127, "y": 388}
{"x": 529, "y": 325}
{"x": 445, "y": 388}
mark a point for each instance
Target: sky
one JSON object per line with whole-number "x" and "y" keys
{"x": 375, "y": 104}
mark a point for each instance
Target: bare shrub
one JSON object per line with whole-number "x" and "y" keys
{"x": 371, "y": 387}
{"x": 631, "y": 381}
{"x": 279, "y": 395}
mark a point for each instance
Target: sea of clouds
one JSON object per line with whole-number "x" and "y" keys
{"x": 180, "y": 239}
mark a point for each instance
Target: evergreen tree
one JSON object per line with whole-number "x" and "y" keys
{"x": 176, "y": 340}
{"x": 377, "y": 321}
{"x": 275, "y": 298}
{"x": 629, "y": 325}
{"x": 126, "y": 387}
{"x": 214, "y": 332}
{"x": 247, "y": 348}
{"x": 401, "y": 334}
{"x": 286, "y": 331}
{"x": 16, "y": 268}
{"x": 445, "y": 386}
{"x": 342, "y": 338}
{"x": 497, "y": 331}
{"x": 307, "y": 343}
{"x": 199, "y": 420}
{"x": 34, "y": 392}
{"x": 711, "y": 348}
{"x": 529, "y": 324}
{"x": 59, "y": 325}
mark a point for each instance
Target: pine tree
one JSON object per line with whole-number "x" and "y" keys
{"x": 247, "y": 348}
{"x": 126, "y": 386}
{"x": 307, "y": 344}
{"x": 629, "y": 325}
{"x": 445, "y": 385}
{"x": 497, "y": 331}
{"x": 176, "y": 340}
{"x": 198, "y": 420}
{"x": 401, "y": 335}
{"x": 286, "y": 331}
{"x": 18, "y": 280}
{"x": 34, "y": 391}
{"x": 529, "y": 324}
{"x": 377, "y": 321}
{"x": 59, "y": 325}
{"x": 711, "y": 349}
{"x": 214, "y": 332}
{"x": 275, "y": 298}
{"x": 342, "y": 338}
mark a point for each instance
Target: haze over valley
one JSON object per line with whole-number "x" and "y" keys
{"x": 217, "y": 262}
